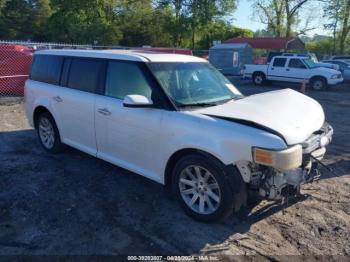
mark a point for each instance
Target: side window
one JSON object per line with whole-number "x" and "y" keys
{"x": 279, "y": 62}
{"x": 84, "y": 74}
{"x": 126, "y": 79}
{"x": 296, "y": 63}
{"x": 46, "y": 68}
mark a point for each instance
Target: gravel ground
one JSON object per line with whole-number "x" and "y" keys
{"x": 74, "y": 204}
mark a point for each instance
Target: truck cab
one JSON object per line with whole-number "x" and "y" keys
{"x": 293, "y": 69}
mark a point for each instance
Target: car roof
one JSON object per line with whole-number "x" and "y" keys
{"x": 128, "y": 55}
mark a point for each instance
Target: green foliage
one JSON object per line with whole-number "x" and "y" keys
{"x": 77, "y": 21}
{"x": 322, "y": 49}
{"x": 219, "y": 30}
{"x": 168, "y": 23}
{"x": 15, "y": 21}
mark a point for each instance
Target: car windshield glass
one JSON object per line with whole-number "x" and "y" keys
{"x": 310, "y": 63}
{"x": 194, "y": 84}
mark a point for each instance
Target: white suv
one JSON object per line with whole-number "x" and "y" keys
{"x": 176, "y": 120}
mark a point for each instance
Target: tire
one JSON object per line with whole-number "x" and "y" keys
{"x": 259, "y": 79}
{"x": 318, "y": 84}
{"x": 48, "y": 133}
{"x": 212, "y": 199}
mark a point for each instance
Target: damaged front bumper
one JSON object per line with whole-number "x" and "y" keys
{"x": 275, "y": 182}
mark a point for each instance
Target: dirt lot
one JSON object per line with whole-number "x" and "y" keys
{"x": 72, "y": 203}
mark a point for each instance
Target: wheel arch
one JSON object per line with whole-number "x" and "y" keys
{"x": 234, "y": 176}
{"x": 318, "y": 76}
{"x": 258, "y": 72}
{"x": 176, "y": 156}
{"x": 39, "y": 110}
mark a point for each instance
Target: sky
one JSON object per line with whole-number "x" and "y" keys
{"x": 244, "y": 17}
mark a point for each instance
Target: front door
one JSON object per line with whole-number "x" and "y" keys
{"x": 128, "y": 137}
{"x": 277, "y": 69}
{"x": 297, "y": 69}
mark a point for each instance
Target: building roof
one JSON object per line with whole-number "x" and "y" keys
{"x": 230, "y": 46}
{"x": 130, "y": 55}
{"x": 270, "y": 42}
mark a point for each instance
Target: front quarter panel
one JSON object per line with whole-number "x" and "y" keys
{"x": 227, "y": 141}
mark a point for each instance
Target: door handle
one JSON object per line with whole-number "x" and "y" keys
{"x": 58, "y": 99}
{"x": 287, "y": 69}
{"x": 272, "y": 69}
{"x": 104, "y": 111}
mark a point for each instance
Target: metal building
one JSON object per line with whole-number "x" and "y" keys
{"x": 230, "y": 58}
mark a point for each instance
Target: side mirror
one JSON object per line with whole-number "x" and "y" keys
{"x": 137, "y": 101}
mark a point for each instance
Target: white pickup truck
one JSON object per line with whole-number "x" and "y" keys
{"x": 293, "y": 69}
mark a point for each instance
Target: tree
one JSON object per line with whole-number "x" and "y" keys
{"x": 292, "y": 8}
{"x": 195, "y": 16}
{"x": 41, "y": 14}
{"x": 280, "y": 15}
{"x": 84, "y": 21}
{"x": 272, "y": 13}
{"x": 221, "y": 30}
{"x": 321, "y": 48}
{"x": 15, "y": 21}
{"x": 338, "y": 14}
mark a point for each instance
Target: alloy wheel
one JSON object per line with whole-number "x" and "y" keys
{"x": 46, "y": 133}
{"x": 199, "y": 190}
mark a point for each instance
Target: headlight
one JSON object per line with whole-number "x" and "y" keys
{"x": 288, "y": 159}
{"x": 334, "y": 76}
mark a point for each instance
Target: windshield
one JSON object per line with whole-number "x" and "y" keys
{"x": 194, "y": 84}
{"x": 310, "y": 63}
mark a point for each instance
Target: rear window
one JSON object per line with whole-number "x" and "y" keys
{"x": 46, "y": 68}
{"x": 84, "y": 74}
{"x": 279, "y": 62}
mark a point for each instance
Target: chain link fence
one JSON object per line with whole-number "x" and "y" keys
{"x": 16, "y": 58}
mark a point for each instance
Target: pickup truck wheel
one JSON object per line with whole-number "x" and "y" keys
{"x": 318, "y": 83}
{"x": 259, "y": 79}
{"x": 48, "y": 133}
{"x": 202, "y": 189}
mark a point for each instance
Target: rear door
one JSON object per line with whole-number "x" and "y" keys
{"x": 277, "y": 69}
{"x": 75, "y": 102}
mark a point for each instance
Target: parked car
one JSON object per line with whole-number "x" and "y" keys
{"x": 178, "y": 121}
{"x": 344, "y": 67}
{"x": 15, "y": 61}
{"x": 293, "y": 69}
{"x": 311, "y": 56}
{"x": 341, "y": 57}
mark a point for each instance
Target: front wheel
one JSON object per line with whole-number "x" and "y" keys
{"x": 202, "y": 188}
{"x": 318, "y": 84}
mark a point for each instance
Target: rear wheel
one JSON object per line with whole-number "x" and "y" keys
{"x": 202, "y": 188}
{"x": 318, "y": 83}
{"x": 259, "y": 79}
{"x": 48, "y": 133}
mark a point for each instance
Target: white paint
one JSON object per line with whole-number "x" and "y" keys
{"x": 288, "y": 74}
{"x": 143, "y": 139}
{"x": 129, "y": 55}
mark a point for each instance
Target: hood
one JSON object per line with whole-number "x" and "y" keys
{"x": 288, "y": 113}
{"x": 326, "y": 70}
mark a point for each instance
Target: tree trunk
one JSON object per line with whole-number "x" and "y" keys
{"x": 345, "y": 27}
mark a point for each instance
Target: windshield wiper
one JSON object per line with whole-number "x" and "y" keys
{"x": 198, "y": 104}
